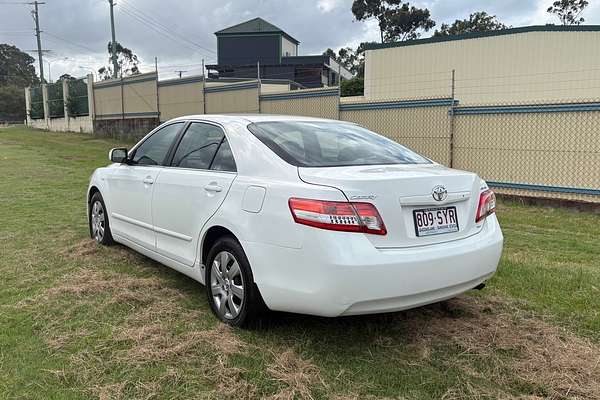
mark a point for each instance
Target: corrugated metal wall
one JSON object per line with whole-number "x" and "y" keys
{"x": 527, "y": 66}
{"x": 177, "y": 97}
{"x": 322, "y": 103}
{"x": 130, "y": 97}
{"x": 232, "y": 98}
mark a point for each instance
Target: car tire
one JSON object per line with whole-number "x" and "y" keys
{"x": 230, "y": 304}
{"x": 98, "y": 221}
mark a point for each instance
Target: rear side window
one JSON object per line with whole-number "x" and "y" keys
{"x": 224, "y": 159}
{"x": 198, "y": 146}
{"x": 154, "y": 149}
{"x": 331, "y": 144}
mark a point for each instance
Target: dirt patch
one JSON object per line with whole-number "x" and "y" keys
{"x": 297, "y": 376}
{"x": 498, "y": 334}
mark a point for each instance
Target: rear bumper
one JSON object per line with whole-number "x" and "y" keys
{"x": 338, "y": 273}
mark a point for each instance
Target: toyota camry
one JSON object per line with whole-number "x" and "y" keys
{"x": 297, "y": 214}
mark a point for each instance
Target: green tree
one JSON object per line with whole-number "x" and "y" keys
{"x": 16, "y": 67}
{"x": 346, "y": 57}
{"x": 127, "y": 60}
{"x": 353, "y": 87}
{"x": 568, "y": 12}
{"x": 12, "y": 103}
{"x": 397, "y": 20}
{"x": 477, "y": 22}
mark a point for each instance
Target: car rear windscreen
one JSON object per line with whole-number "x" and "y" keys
{"x": 331, "y": 144}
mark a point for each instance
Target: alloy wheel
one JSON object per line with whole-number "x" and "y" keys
{"x": 98, "y": 221}
{"x": 227, "y": 285}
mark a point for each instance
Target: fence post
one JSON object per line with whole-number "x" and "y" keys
{"x": 203, "y": 87}
{"x": 122, "y": 109}
{"x": 339, "y": 90}
{"x": 259, "y": 83}
{"x": 66, "y": 117}
{"x": 45, "y": 105}
{"x": 91, "y": 99}
{"x": 28, "y": 105}
{"x": 452, "y": 122}
{"x": 157, "y": 98}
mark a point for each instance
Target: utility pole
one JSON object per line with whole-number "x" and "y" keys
{"x": 180, "y": 72}
{"x": 113, "y": 45}
{"x": 36, "y": 18}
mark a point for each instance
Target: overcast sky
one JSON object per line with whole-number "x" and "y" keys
{"x": 181, "y": 33}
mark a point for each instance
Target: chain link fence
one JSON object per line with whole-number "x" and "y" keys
{"x": 56, "y": 104}
{"x": 77, "y": 99}
{"x": 36, "y": 108}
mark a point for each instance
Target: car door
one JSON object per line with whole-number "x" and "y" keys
{"x": 130, "y": 187}
{"x": 191, "y": 189}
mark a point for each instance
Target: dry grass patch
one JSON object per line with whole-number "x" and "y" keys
{"x": 505, "y": 338}
{"x": 298, "y": 376}
{"x": 156, "y": 329}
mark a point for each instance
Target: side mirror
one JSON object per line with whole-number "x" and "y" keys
{"x": 118, "y": 155}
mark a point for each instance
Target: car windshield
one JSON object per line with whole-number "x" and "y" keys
{"x": 331, "y": 144}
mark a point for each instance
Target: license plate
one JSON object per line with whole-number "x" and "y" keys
{"x": 435, "y": 221}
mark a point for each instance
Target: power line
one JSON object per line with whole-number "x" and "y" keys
{"x": 126, "y": 3}
{"x": 161, "y": 29}
{"x": 69, "y": 42}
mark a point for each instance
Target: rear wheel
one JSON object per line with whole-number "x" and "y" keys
{"x": 232, "y": 294}
{"x": 98, "y": 220}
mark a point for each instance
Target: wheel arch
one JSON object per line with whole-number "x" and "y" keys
{"x": 210, "y": 237}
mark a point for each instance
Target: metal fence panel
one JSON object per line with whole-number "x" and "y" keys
{"x": 321, "y": 103}
{"x": 56, "y": 104}
{"x": 422, "y": 125}
{"x": 77, "y": 103}
{"x": 37, "y": 103}
{"x": 535, "y": 150}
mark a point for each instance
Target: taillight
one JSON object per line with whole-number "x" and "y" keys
{"x": 487, "y": 205}
{"x": 337, "y": 215}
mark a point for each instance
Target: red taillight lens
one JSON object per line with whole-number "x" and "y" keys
{"x": 487, "y": 205}
{"x": 337, "y": 215}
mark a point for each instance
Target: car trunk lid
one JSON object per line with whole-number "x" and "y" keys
{"x": 397, "y": 191}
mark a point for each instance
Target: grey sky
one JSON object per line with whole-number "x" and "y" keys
{"x": 78, "y": 31}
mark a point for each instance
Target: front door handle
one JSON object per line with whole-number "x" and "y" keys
{"x": 148, "y": 180}
{"x": 213, "y": 187}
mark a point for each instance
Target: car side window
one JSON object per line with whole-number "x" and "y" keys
{"x": 224, "y": 160}
{"x": 198, "y": 146}
{"x": 154, "y": 149}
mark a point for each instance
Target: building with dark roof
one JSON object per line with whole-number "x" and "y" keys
{"x": 244, "y": 48}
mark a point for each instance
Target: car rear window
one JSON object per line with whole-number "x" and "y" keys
{"x": 331, "y": 144}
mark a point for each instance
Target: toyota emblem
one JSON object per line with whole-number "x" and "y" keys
{"x": 439, "y": 193}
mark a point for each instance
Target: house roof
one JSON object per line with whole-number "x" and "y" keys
{"x": 256, "y": 25}
{"x": 476, "y": 35}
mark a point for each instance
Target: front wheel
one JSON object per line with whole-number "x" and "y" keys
{"x": 98, "y": 220}
{"x": 232, "y": 294}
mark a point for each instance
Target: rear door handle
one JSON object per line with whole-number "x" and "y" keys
{"x": 148, "y": 180}
{"x": 213, "y": 187}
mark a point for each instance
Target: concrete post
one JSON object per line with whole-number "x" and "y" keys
{"x": 67, "y": 117}
{"x": 91, "y": 100}
{"x": 28, "y": 105}
{"x": 45, "y": 103}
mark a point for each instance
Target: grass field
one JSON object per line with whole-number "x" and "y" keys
{"x": 78, "y": 321}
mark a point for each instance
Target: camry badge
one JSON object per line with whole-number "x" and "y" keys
{"x": 439, "y": 193}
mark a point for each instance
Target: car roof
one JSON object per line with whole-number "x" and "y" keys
{"x": 249, "y": 118}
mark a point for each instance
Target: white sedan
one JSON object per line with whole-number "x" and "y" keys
{"x": 297, "y": 214}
